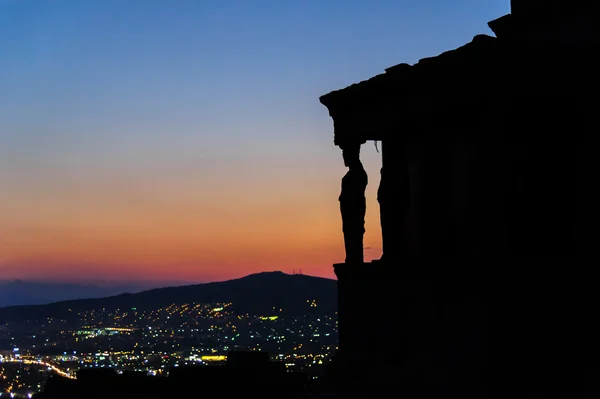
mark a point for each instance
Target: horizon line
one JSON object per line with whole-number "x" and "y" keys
{"x": 144, "y": 282}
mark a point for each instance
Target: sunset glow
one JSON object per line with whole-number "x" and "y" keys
{"x": 188, "y": 143}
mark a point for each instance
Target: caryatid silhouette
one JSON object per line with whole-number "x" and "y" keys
{"x": 353, "y": 204}
{"x": 394, "y": 200}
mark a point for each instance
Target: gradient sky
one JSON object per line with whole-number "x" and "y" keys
{"x": 184, "y": 139}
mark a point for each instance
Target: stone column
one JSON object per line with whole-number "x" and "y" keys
{"x": 393, "y": 196}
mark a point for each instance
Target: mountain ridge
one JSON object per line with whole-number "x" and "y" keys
{"x": 255, "y": 293}
{"x": 19, "y": 292}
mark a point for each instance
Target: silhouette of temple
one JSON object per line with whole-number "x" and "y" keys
{"x": 487, "y": 204}
{"x": 487, "y": 210}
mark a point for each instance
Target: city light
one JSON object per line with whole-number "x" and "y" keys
{"x": 154, "y": 340}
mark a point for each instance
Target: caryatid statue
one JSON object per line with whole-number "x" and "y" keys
{"x": 353, "y": 204}
{"x": 393, "y": 196}
{"x": 394, "y": 200}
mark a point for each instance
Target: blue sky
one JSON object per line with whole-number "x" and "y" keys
{"x": 108, "y": 103}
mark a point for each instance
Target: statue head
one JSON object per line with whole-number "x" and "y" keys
{"x": 351, "y": 155}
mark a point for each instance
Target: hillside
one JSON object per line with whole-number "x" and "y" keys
{"x": 256, "y": 293}
{"x": 18, "y": 292}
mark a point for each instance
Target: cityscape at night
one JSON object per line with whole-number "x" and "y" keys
{"x": 156, "y": 340}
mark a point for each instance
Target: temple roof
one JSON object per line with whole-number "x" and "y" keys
{"x": 405, "y": 80}
{"x": 452, "y": 90}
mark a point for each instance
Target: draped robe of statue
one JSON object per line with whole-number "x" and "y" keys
{"x": 353, "y": 208}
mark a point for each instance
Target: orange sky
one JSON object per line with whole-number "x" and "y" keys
{"x": 188, "y": 142}
{"x": 188, "y": 228}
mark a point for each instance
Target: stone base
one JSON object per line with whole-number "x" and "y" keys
{"x": 511, "y": 325}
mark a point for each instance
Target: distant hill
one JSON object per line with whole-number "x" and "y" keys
{"x": 256, "y": 293}
{"x": 18, "y": 292}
